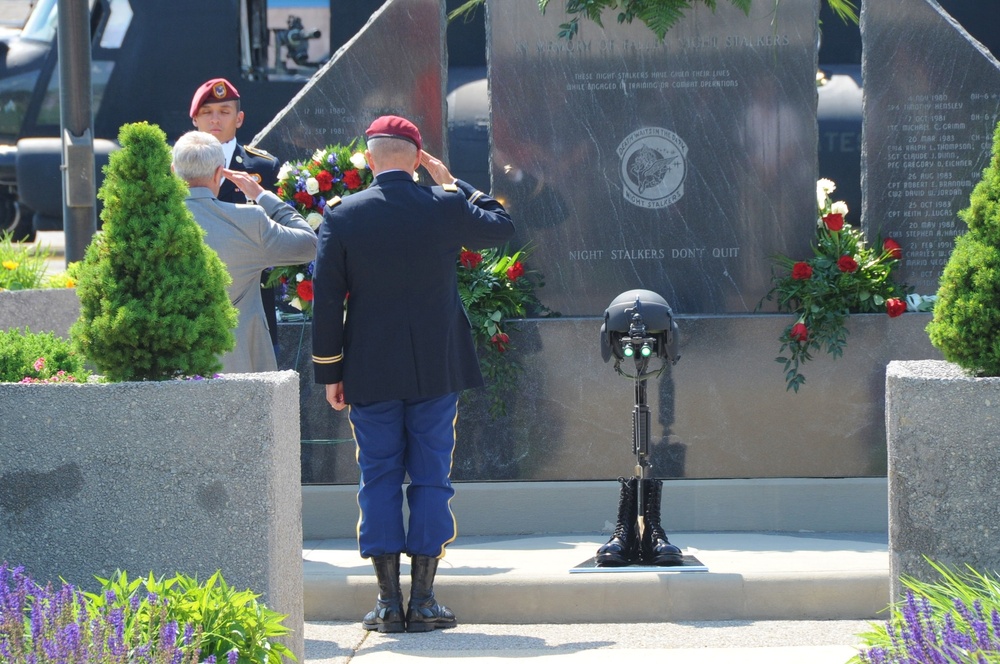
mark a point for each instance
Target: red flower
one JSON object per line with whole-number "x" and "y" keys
{"x": 305, "y": 291}
{"x": 500, "y": 340}
{"x": 515, "y": 270}
{"x": 470, "y": 259}
{"x": 893, "y": 248}
{"x": 802, "y": 270}
{"x": 325, "y": 180}
{"x": 847, "y": 264}
{"x": 352, "y": 179}
{"x": 895, "y": 307}
{"x": 799, "y": 332}
{"x": 834, "y": 221}
{"x": 304, "y": 198}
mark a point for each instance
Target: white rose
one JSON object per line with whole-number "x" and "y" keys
{"x": 358, "y": 160}
{"x": 314, "y": 220}
{"x": 300, "y": 277}
{"x": 286, "y": 168}
{"x": 840, "y": 207}
{"x": 312, "y": 186}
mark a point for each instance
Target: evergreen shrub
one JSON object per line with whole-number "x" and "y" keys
{"x": 153, "y": 301}
{"x": 966, "y": 323}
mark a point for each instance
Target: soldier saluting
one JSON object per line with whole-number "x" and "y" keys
{"x": 215, "y": 109}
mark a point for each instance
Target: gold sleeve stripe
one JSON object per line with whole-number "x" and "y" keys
{"x": 328, "y": 360}
{"x": 475, "y": 196}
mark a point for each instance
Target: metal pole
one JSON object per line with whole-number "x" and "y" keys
{"x": 77, "y": 123}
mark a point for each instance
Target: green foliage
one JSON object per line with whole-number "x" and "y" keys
{"x": 966, "y": 324}
{"x": 658, "y": 15}
{"x": 22, "y": 266}
{"x": 153, "y": 301}
{"x": 495, "y": 287}
{"x": 32, "y": 357}
{"x": 223, "y": 618}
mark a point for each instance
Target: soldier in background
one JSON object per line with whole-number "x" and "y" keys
{"x": 215, "y": 109}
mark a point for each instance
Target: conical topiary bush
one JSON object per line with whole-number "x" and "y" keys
{"x": 153, "y": 302}
{"x": 966, "y": 324}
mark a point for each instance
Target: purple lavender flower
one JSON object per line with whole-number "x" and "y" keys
{"x": 233, "y": 656}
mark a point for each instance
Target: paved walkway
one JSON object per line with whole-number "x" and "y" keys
{"x": 743, "y": 642}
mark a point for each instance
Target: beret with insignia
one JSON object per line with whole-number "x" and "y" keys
{"x": 211, "y": 91}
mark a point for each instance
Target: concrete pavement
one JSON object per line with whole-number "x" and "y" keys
{"x": 766, "y": 597}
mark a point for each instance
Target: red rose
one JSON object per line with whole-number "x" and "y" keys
{"x": 514, "y": 271}
{"x": 895, "y": 307}
{"x": 802, "y": 270}
{"x": 304, "y": 198}
{"x": 305, "y": 291}
{"x": 893, "y": 248}
{"x": 834, "y": 221}
{"x": 470, "y": 259}
{"x": 799, "y": 332}
{"x": 847, "y": 264}
{"x": 498, "y": 340}
{"x": 352, "y": 180}
{"x": 325, "y": 180}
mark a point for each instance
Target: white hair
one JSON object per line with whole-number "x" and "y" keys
{"x": 196, "y": 156}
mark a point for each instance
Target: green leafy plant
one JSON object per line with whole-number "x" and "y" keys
{"x": 24, "y": 267}
{"x": 966, "y": 323}
{"x": 495, "y": 287}
{"x": 39, "y": 357}
{"x": 954, "y": 620}
{"x": 843, "y": 276}
{"x": 153, "y": 301}
{"x": 224, "y": 618}
{"x": 658, "y": 15}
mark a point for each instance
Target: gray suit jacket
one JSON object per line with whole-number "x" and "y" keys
{"x": 249, "y": 238}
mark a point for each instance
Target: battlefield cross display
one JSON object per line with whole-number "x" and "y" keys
{"x": 679, "y": 166}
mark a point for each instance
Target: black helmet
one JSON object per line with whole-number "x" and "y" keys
{"x": 639, "y": 321}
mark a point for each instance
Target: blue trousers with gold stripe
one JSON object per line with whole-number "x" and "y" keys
{"x": 396, "y": 438}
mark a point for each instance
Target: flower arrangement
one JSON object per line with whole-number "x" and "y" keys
{"x": 336, "y": 170}
{"x": 495, "y": 287}
{"x": 843, "y": 276}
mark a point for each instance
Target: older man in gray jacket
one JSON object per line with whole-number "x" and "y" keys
{"x": 248, "y": 238}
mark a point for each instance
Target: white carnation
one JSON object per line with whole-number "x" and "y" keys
{"x": 283, "y": 173}
{"x": 840, "y": 207}
{"x": 314, "y": 220}
{"x": 318, "y": 156}
{"x": 358, "y": 160}
{"x": 300, "y": 277}
{"x": 823, "y": 189}
{"x": 312, "y": 186}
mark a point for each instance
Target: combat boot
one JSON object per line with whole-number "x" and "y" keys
{"x": 623, "y": 547}
{"x": 655, "y": 549}
{"x": 387, "y": 616}
{"x": 424, "y": 614}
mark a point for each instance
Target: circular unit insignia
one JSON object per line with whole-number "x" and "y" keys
{"x": 219, "y": 90}
{"x": 652, "y": 166}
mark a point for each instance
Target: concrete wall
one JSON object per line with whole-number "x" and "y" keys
{"x": 944, "y": 470}
{"x": 162, "y": 477}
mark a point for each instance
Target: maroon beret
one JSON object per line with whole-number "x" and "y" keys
{"x": 217, "y": 89}
{"x": 393, "y": 126}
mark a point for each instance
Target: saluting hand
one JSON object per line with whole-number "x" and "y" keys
{"x": 436, "y": 168}
{"x": 250, "y": 187}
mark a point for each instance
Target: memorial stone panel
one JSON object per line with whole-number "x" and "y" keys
{"x": 932, "y": 95}
{"x": 679, "y": 167}
{"x": 395, "y": 65}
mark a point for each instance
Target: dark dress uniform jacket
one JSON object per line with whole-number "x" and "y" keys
{"x": 255, "y": 162}
{"x": 394, "y": 248}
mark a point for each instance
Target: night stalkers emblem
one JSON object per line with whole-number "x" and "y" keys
{"x": 653, "y": 167}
